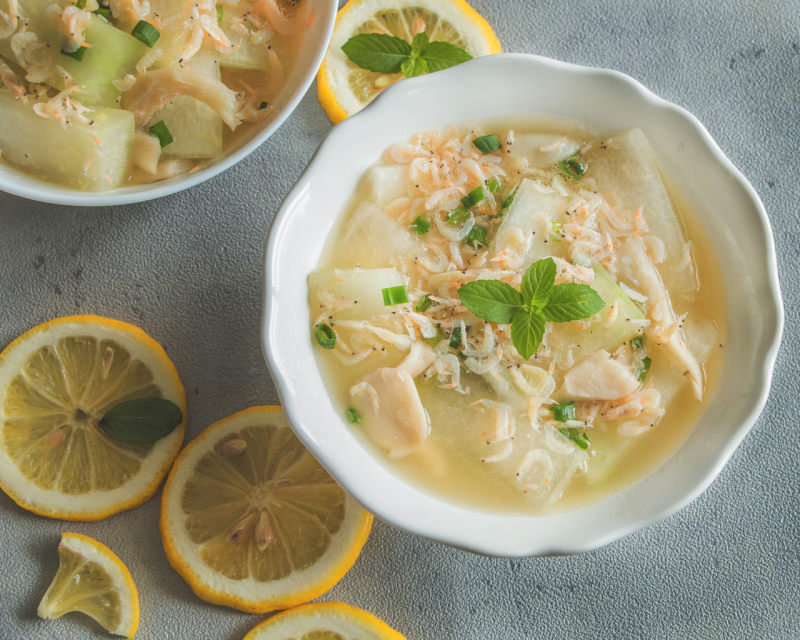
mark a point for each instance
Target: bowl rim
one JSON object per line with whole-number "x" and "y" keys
{"x": 18, "y": 183}
{"x": 467, "y": 539}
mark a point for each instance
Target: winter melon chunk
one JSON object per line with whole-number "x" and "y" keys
{"x": 90, "y": 157}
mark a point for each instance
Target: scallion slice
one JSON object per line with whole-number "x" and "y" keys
{"x": 103, "y": 11}
{"x": 145, "y": 32}
{"x": 420, "y": 226}
{"x": 394, "y": 295}
{"x": 325, "y": 336}
{"x": 563, "y": 411}
{"x": 219, "y": 14}
{"x": 458, "y": 217}
{"x": 493, "y": 185}
{"x": 352, "y": 416}
{"x": 637, "y": 343}
{"x": 81, "y": 4}
{"x": 476, "y": 238}
{"x": 575, "y": 437}
{"x": 160, "y": 131}
{"x": 641, "y": 371}
{"x": 573, "y": 168}
{"x": 424, "y": 303}
{"x": 77, "y": 54}
{"x": 509, "y": 200}
{"x": 555, "y": 234}
{"x": 487, "y": 144}
{"x": 473, "y": 197}
{"x": 455, "y": 338}
{"x": 263, "y": 105}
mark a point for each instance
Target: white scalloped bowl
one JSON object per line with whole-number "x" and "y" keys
{"x": 306, "y": 64}
{"x": 514, "y": 84}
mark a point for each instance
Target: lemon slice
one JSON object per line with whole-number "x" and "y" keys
{"x": 93, "y": 580}
{"x": 56, "y": 382}
{"x": 252, "y": 521}
{"x": 343, "y": 88}
{"x": 324, "y": 621}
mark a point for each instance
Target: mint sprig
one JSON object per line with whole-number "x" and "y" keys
{"x": 539, "y": 301}
{"x": 384, "y": 53}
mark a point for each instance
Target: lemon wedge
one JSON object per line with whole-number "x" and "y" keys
{"x": 324, "y": 621}
{"x": 93, "y": 580}
{"x": 252, "y": 521}
{"x": 56, "y": 383}
{"x": 343, "y": 88}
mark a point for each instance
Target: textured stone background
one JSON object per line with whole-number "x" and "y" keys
{"x": 188, "y": 269}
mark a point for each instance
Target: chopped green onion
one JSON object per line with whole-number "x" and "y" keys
{"x": 145, "y": 32}
{"x": 458, "y": 217}
{"x": 263, "y": 105}
{"x": 572, "y": 167}
{"x": 575, "y": 437}
{"x": 494, "y": 185}
{"x": 641, "y": 372}
{"x": 473, "y": 197}
{"x": 563, "y": 411}
{"x": 420, "y": 226}
{"x": 352, "y": 416}
{"x": 487, "y": 144}
{"x": 455, "y": 338}
{"x": 637, "y": 343}
{"x": 476, "y": 238}
{"x": 424, "y": 303}
{"x": 394, "y": 295}
{"x": 81, "y": 4}
{"x": 160, "y": 131}
{"x": 509, "y": 200}
{"x": 555, "y": 235}
{"x": 77, "y": 54}
{"x": 434, "y": 340}
{"x": 103, "y": 11}
{"x": 325, "y": 336}
{"x": 219, "y": 14}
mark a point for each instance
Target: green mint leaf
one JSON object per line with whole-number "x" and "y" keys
{"x": 141, "y": 421}
{"x": 537, "y": 283}
{"x": 441, "y": 55}
{"x": 572, "y": 301}
{"x": 419, "y": 44}
{"x": 413, "y": 67}
{"x": 377, "y": 52}
{"x": 527, "y": 330}
{"x": 492, "y": 300}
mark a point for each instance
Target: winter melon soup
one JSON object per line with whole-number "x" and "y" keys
{"x": 97, "y": 94}
{"x": 520, "y": 317}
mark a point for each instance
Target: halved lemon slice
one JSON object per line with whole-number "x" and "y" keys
{"x": 56, "y": 382}
{"x": 343, "y": 88}
{"x": 324, "y": 621}
{"x": 252, "y": 521}
{"x": 93, "y": 580}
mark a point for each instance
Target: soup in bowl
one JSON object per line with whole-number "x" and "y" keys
{"x": 516, "y": 324}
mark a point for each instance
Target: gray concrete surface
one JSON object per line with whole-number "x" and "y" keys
{"x": 188, "y": 269}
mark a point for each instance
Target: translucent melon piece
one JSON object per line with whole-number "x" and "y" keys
{"x": 383, "y": 184}
{"x": 374, "y": 238}
{"x": 596, "y": 334}
{"x": 346, "y": 286}
{"x": 625, "y": 169}
{"x": 526, "y": 233}
{"x": 543, "y": 150}
{"x": 113, "y": 54}
{"x": 89, "y": 157}
{"x": 195, "y": 127}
